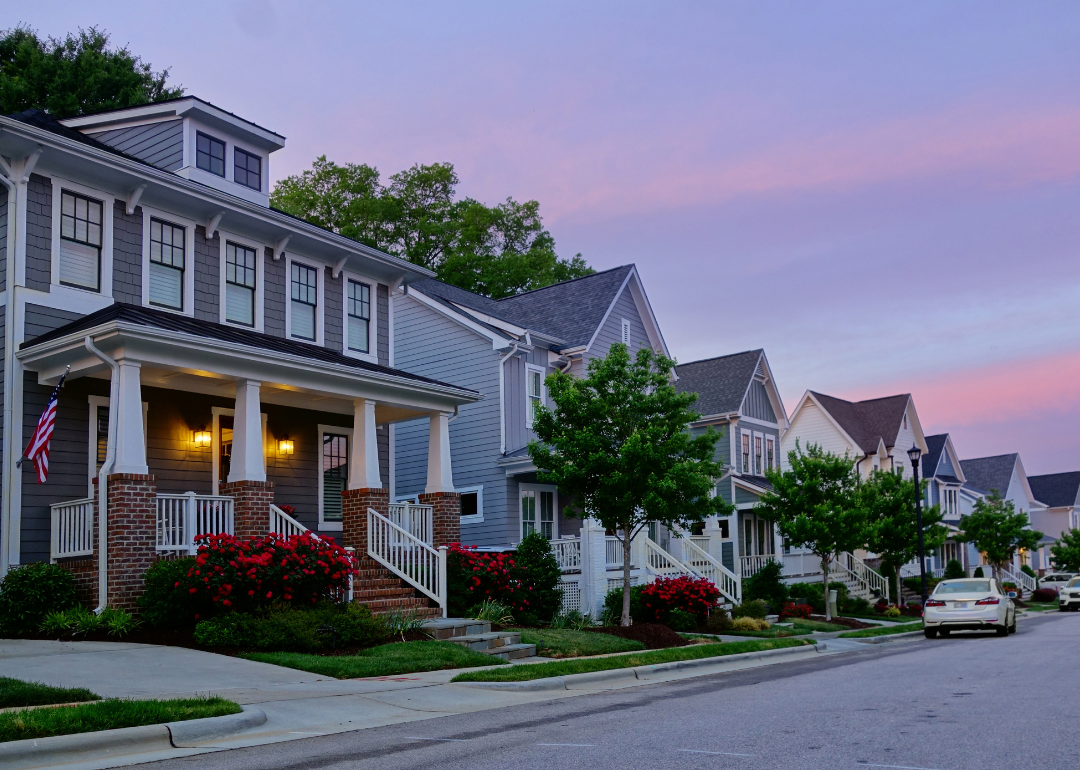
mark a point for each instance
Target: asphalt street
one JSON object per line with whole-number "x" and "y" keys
{"x": 964, "y": 703}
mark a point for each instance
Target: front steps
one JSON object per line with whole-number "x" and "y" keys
{"x": 477, "y": 636}
{"x": 384, "y": 592}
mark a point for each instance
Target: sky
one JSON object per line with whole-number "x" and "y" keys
{"x": 882, "y": 195}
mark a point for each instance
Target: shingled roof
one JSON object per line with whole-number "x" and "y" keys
{"x": 868, "y": 422}
{"x": 720, "y": 383}
{"x": 990, "y": 473}
{"x": 935, "y": 445}
{"x": 1057, "y": 490}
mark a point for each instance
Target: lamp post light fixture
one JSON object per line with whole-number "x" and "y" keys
{"x": 915, "y": 454}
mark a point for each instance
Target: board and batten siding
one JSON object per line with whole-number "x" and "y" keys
{"x": 430, "y": 344}
{"x": 38, "y": 233}
{"x": 756, "y": 403}
{"x": 812, "y": 426}
{"x": 159, "y": 144}
{"x": 610, "y": 332}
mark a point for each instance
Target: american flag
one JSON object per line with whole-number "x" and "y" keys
{"x": 37, "y": 451}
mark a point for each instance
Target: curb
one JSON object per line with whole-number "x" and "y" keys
{"x": 887, "y": 638}
{"x": 583, "y": 681}
{"x": 61, "y": 749}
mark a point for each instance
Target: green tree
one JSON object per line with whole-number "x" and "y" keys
{"x": 889, "y": 501}
{"x": 1065, "y": 554}
{"x": 618, "y": 441}
{"x": 493, "y": 250}
{"x": 998, "y": 530}
{"x": 816, "y": 505}
{"x": 76, "y": 75}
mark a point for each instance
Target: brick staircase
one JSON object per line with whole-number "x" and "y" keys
{"x": 478, "y": 636}
{"x": 385, "y": 592}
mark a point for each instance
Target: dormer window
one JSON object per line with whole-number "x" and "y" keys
{"x": 247, "y": 169}
{"x": 210, "y": 154}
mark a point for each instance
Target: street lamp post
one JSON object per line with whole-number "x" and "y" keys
{"x": 915, "y": 454}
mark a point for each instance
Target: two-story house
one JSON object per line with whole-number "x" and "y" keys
{"x": 1060, "y": 493}
{"x": 223, "y": 359}
{"x": 945, "y": 480}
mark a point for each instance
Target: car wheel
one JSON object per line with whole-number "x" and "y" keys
{"x": 1012, "y": 628}
{"x": 930, "y": 633}
{"x": 1002, "y": 630}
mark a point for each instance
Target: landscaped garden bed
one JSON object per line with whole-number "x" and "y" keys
{"x": 883, "y": 631}
{"x": 569, "y": 643}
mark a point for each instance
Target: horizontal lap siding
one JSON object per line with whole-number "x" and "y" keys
{"x": 38, "y": 233}
{"x": 812, "y": 426}
{"x": 127, "y": 254}
{"x": 429, "y": 344}
{"x": 159, "y": 144}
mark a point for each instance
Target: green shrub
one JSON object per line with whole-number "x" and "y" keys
{"x": 814, "y": 594}
{"x": 492, "y": 612}
{"x": 677, "y": 620}
{"x": 718, "y": 622}
{"x": 572, "y": 621}
{"x": 1028, "y": 571}
{"x": 286, "y": 629}
{"x": 978, "y": 572}
{"x": 954, "y": 569}
{"x": 540, "y": 577}
{"x": 767, "y": 584}
{"x": 162, "y": 605}
{"x": 79, "y": 620}
{"x": 747, "y": 623}
{"x": 857, "y": 605}
{"x": 613, "y": 604}
{"x": 751, "y": 609}
{"x": 29, "y": 593}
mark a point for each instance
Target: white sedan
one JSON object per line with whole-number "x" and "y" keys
{"x": 1069, "y": 595}
{"x": 968, "y": 604}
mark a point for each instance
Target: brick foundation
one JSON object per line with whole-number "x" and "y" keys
{"x": 132, "y": 535}
{"x": 251, "y": 506}
{"x": 446, "y": 525}
{"x": 354, "y": 506}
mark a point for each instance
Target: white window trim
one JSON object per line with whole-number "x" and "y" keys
{"x": 776, "y": 457}
{"x": 529, "y": 368}
{"x": 320, "y": 298}
{"x": 215, "y": 444}
{"x": 331, "y": 526}
{"x": 625, "y": 331}
{"x": 749, "y": 456}
{"x": 260, "y": 278}
{"x": 93, "y": 403}
{"x": 554, "y": 512}
{"x": 477, "y": 517}
{"x": 373, "y": 332}
{"x": 189, "y": 259}
{"x": 108, "y": 204}
{"x": 753, "y": 453}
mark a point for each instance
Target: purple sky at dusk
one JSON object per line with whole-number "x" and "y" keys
{"x": 882, "y": 195}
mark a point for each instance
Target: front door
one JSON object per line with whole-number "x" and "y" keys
{"x": 538, "y": 511}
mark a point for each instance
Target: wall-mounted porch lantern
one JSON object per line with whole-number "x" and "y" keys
{"x": 285, "y": 446}
{"x": 200, "y": 438}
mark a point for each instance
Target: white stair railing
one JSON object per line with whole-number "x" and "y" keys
{"x": 859, "y": 578}
{"x": 72, "y": 529}
{"x": 660, "y": 562}
{"x": 1025, "y": 581}
{"x": 180, "y": 518}
{"x": 408, "y": 557}
{"x": 285, "y": 525}
{"x": 417, "y": 520}
{"x": 728, "y": 582}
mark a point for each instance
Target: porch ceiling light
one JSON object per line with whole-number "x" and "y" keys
{"x": 285, "y": 446}
{"x": 200, "y": 438}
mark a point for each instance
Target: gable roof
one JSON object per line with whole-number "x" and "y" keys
{"x": 935, "y": 445}
{"x": 987, "y": 473}
{"x": 720, "y": 383}
{"x": 1057, "y": 490}
{"x": 869, "y": 423}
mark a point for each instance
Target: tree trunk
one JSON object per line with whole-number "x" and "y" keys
{"x": 825, "y": 561}
{"x": 626, "y": 579}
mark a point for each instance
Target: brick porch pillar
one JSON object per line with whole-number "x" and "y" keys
{"x": 354, "y": 507}
{"x": 251, "y": 506}
{"x": 446, "y": 516}
{"x": 132, "y": 535}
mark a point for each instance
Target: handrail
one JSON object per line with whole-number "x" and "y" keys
{"x": 285, "y": 525}
{"x": 728, "y": 582}
{"x": 661, "y": 562}
{"x": 72, "y": 528}
{"x": 408, "y": 557}
{"x": 181, "y": 518}
{"x": 864, "y": 578}
{"x": 418, "y": 520}
{"x": 1025, "y": 581}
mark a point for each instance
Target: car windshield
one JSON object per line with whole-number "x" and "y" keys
{"x": 1073, "y": 583}
{"x": 963, "y": 587}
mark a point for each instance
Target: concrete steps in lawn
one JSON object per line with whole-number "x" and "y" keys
{"x": 477, "y": 636}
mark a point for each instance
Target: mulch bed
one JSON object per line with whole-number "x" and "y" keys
{"x": 653, "y": 635}
{"x": 851, "y": 623}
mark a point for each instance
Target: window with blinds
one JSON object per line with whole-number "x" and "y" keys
{"x": 359, "y": 313}
{"x": 304, "y": 298}
{"x": 239, "y": 284}
{"x": 81, "y": 227}
{"x": 335, "y": 474}
{"x": 167, "y": 242}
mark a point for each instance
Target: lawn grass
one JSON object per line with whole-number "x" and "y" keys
{"x": 107, "y": 715}
{"x": 883, "y": 631}
{"x": 628, "y": 660}
{"x": 384, "y": 660}
{"x": 1042, "y": 606}
{"x": 567, "y": 643}
{"x": 15, "y": 692}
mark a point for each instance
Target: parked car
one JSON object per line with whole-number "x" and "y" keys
{"x": 969, "y": 604}
{"x": 1055, "y": 580}
{"x": 1069, "y": 595}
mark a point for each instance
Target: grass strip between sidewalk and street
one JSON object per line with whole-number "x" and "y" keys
{"x": 384, "y": 660}
{"x": 524, "y": 673}
{"x": 16, "y": 692}
{"x": 882, "y": 631}
{"x": 567, "y": 643}
{"x": 108, "y": 715}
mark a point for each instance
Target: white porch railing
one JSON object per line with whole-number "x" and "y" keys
{"x": 1025, "y": 581}
{"x": 704, "y": 542}
{"x": 728, "y": 582}
{"x": 613, "y": 553}
{"x": 568, "y": 553}
{"x": 417, "y": 520}
{"x": 72, "y": 529}
{"x": 751, "y": 565}
{"x": 408, "y": 557}
{"x": 285, "y": 525}
{"x": 180, "y": 518}
{"x": 859, "y": 578}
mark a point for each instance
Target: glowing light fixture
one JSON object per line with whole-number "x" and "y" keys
{"x": 201, "y": 437}
{"x": 285, "y": 446}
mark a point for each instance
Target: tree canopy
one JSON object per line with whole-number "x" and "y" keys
{"x": 75, "y": 75}
{"x": 492, "y": 250}
{"x": 998, "y": 530}
{"x": 618, "y": 441}
{"x": 1065, "y": 554}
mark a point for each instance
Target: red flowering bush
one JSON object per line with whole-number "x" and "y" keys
{"x": 694, "y": 596}
{"x": 793, "y": 610}
{"x": 234, "y": 574}
{"x": 472, "y": 576}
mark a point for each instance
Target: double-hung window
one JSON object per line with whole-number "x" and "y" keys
{"x": 758, "y": 469}
{"x": 167, "y": 248}
{"x": 746, "y": 453}
{"x": 304, "y": 284}
{"x": 770, "y": 452}
{"x": 538, "y": 512}
{"x": 210, "y": 154}
{"x": 239, "y": 284}
{"x": 359, "y": 316}
{"x": 335, "y": 473}
{"x": 81, "y": 229}
{"x": 534, "y": 391}
{"x": 247, "y": 169}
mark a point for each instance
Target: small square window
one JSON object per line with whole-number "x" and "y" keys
{"x": 247, "y": 169}
{"x": 210, "y": 154}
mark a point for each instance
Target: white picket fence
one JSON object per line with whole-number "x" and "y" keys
{"x": 72, "y": 529}
{"x": 408, "y": 557}
{"x": 181, "y": 518}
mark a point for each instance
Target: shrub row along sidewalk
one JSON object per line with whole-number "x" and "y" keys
{"x": 524, "y": 673}
{"x": 883, "y": 631}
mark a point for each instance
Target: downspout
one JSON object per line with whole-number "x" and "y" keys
{"x": 103, "y": 475}
{"x": 502, "y": 398}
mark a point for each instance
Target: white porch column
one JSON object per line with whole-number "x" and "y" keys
{"x": 594, "y": 569}
{"x": 440, "y": 477}
{"x": 247, "y": 449}
{"x": 130, "y": 435}
{"x": 364, "y": 458}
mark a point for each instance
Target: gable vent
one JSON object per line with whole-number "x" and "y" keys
{"x": 625, "y": 332}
